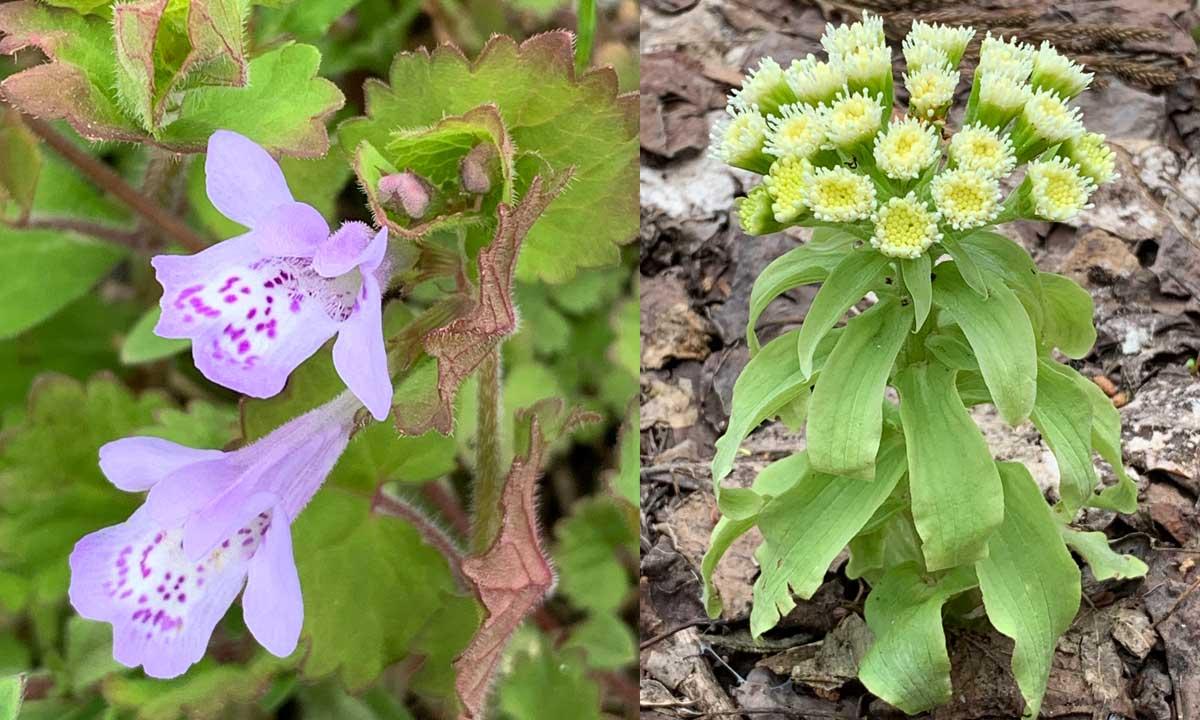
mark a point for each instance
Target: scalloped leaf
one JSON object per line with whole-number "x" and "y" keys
{"x": 557, "y": 121}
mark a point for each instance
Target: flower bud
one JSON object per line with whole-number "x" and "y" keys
{"x": 754, "y": 212}
{"x": 406, "y": 191}
{"x": 764, "y": 89}
{"x": 477, "y": 167}
{"x": 738, "y": 141}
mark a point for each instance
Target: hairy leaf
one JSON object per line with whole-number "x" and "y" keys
{"x": 770, "y": 481}
{"x": 956, "y": 494}
{"x": 1063, "y": 415}
{"x": 1069, "y": 311}
{"x": 20, "y": 161}
{"x": 1106, "y": 564}
{"x": 511, "y": 578}
{"x": 806, "y": 526}
{"x": 207, "y": 690}
{"x": 548, "y": 683}
{"x": 1029, "y": 582}
{"x": 557, "y": 121}
{"x": 907, "y": 665}
{"x": 11, "y": 690}
{"x": 44, "y": 271}
{"x": 353, "y": 562}
{"x": 999, "y": 332}
{"x": 852, "y": 278}
{"x": 845, "y": 415}
{"x": 807, "y": 264}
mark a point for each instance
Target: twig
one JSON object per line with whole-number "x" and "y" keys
{"x": 108, "y": 180}
{"x": 128, "y": 238}
{"x": 654, "y": 640}
{"x": 1178, "y": 601}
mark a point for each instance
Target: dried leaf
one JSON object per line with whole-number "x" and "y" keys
{"x": 511, "y": 578}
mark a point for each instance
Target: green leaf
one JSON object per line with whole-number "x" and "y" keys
{"x": 143, "y": 346}
{"x": 20, "y": 161}
{"x": 1007, "y": 261}
{"x": 918, "y": 281}
{"x": 852, "y": 278}
{"x": 283, "y": 107}
{"x": 967, "y": 267}
{"x": 590, "y": 542}
{"x": 1069, "y": 310}
{"x": 207, "y": 690}
{"x": 951, "y": 349}
{"x": 806, "y": 526}
{"x": 556, "y": 121}
{"x": 309, "y": 20}
{"x": 1029, "y": 582}
{"x": 770, "y": 381}
{"x": 956, "y": 492}
{"x": 1063, "y": 416}
{"x": 547, "y": 683}
{"x": 45, "y": 271}
{"x": 907, "y": 666}
{"x": 999, "y": 332}
{"x": 605, "y": 640}
{"x": 845, "y": 415}
{"x": 374, "y": 593}
{"x": 11, "y": 690}
{"x": 1106, "y": 441}
{"x": 1093, "y": 547}
{"x": 770, "y": 481}
{"x": 807, "y": 264}
{"x": 326, "y": 701}
{"x": 89, "y": 653}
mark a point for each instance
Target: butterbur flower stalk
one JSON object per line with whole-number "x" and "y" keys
{"x": 257, "y": 305}
{"x": 212, "y": 523}
{"x": 894, "y": 466}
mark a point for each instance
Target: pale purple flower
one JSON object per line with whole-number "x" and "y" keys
{"x": 213, "y": 522}
{"x": 257, "y": 305}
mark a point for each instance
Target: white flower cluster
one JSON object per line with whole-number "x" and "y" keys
{"x": 821, "y": 133}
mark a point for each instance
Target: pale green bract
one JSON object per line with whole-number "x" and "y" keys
{"x": 941, "y": 312}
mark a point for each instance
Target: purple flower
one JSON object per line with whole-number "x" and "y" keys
{"x": 257, "y": 305}
{"x": 213, "y": 522}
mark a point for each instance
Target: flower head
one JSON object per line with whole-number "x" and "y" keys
{"x": 846, "y": 38}
{"x": 905, "y": 227}
{"x": 930, "y": 91}
{"x": 1044, "y": 121}
{"x": 966, "y": 198}
{"x": 978, "y": 147}
{"x": 764, "y": 89}
{"x": 738, "y": 140}
{"x": 1056, "y": 189}
{"x": 213, "y": 522}
{"x": 1000, "y": 98}
{"x": 1011, "y": 58}
{"x": 786, "y": 184}
{"x": 853, "y": 119}
{"x": 754, "y": 212}
{"x": 867, "y": 67}
{"x": 952, "y": 41}
{"x": 814, "y": 82}
{"x": 799, "y": 132}
{"x": 906, "y": 148}
{"x": 920, "y": 55}
{"x": 839, "y": 195}
{"x": 1094, "y": 158}
{"x": 1052, "y": 71}
{"x": 257, "y": 305}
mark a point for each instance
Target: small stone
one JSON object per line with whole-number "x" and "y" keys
{"x": 1133, "y": 631}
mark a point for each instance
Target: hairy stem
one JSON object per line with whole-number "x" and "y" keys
{"x": 489, "y": 476}
{"x": 128, "y": 238}
{"x": 433, "y": 535}
{"x": 109, "y": 181}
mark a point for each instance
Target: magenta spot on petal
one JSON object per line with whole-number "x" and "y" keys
{"x": 250, "y": 315}
{"x": 295, "y": 306}
{"x": 167, "y": 576}
{"x": 126, "y": 594}
{"x": 225, "y": 544}
{"x": 200, "y": 582}
{"x": 142, "y": 599}
{"x": 158, "y": 538}
{"x": 181, "y": 597}
{"x": 187, "y": 318}
{"x": 243, "y": 347}
{"x": 161, "y": 588}
{"x": 231, "y": 298}
{"x": 247, "y": 541}
{"x": 270, "y": 299}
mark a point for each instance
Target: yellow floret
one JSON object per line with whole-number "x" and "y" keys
{"x": 966, "y": 198}
{"x": 930, "y": 91}
{"x": 1005, "y": 57}
{"x": 786, "y": 182}
{"x": 814, "y": 81}
{"x": 922, "y": 55}
{"x": 905, "y": 227}
{"x": 906, "y": 148}
{"x": 738, "y": 140}
{"x": 764, "y": 89}
{"x": 839, "y": 195}
{"x": 1050, "y": 118}
{"x": 1000, "y": 98}
{"x": 1094, "y": 158}
{"x": 978, "y": 147}
{"x": 1057, "y": 189}
{"x": 798, "y": 132}
{"x": 853, "y": 119}
{"x": 845, "y": 38}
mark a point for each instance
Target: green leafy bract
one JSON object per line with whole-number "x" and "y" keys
{"x": 557, "y": 122}
{"x": 852, "y": 278}
{"x": 1029, "y": 582}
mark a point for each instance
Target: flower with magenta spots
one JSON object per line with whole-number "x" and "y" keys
{"x": 259, "y": 304}
{"x": 212, "y": 523}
